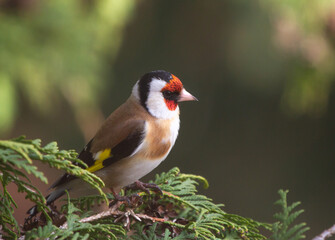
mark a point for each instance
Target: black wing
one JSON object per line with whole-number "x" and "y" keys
{"x": 122, "y": 150}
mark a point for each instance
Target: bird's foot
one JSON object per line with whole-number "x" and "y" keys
{"x": 131, "y": 200}
{"x": 138, "y": 185}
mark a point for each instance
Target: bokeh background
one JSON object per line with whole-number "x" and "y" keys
{"x": 263, "y": 71}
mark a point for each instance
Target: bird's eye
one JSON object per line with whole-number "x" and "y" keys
{"x": 170, "y": 95}
{"x": 167, "y": 94}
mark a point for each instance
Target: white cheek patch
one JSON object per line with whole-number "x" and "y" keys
{"x": 156, "y": 103}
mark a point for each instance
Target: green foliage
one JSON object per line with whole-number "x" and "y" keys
{"x": 151, "y": 233}
{"x": 182, "y": 189}
{"x": 282, "y": 229}
{"x": 178, "y": 213}
{"x": 302, "y": 31}
{"x": 206, "y": 219}
{"x": 194, "y": 215}
{"x": 75, "y": 229}
{"x": 52, "y": 48}
{"x": 16, "y": 161}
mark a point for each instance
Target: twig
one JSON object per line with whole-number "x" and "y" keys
{"x": 326, "y": 233}
{"x": 114, "y": 211}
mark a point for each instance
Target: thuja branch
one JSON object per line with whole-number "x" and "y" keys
{"x": 179, "y": 212}
{"x": 114, "y": 212}
{"x": 16, "y": 163}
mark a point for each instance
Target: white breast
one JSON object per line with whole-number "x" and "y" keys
{"x": 175, "y": 124}
{"x": 139, "y": 164}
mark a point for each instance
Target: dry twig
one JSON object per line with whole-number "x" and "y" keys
{"x": 326, "y": 233}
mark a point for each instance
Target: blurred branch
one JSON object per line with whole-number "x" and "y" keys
{"x": 87, "y": 113}
{"x": 326, "y": 234}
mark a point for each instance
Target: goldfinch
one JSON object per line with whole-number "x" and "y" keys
{"x": 133, "y": 140}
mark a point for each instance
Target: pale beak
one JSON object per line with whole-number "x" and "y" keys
{"x": 186, "y": 96}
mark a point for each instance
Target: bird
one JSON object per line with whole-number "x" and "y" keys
{"x": 133, "y": 140}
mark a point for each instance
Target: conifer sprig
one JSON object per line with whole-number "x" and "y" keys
{"x": 283, "y": 229}
{"x": 16, "y": 163}
{"x": 207, "y": 220}
{"x": 76, "y": 229}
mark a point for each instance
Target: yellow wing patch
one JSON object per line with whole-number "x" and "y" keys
{"x": 100, "y": 157}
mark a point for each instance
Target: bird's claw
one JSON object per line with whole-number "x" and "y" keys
{"x": 128, "y": 200}
{"x": 144, "y": 187}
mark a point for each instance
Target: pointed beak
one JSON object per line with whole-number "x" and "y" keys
{"x": 186, "y": 96}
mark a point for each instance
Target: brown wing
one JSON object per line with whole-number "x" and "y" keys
{"x": 120, "y": 134}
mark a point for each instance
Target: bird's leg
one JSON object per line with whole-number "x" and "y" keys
{"x": 118, "y": 198}
{"x": 144, "y": 187}
{"x": 129, "y": 200}
{"x": 134, "y": 199}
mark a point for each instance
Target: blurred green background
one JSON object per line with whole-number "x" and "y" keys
{"x": 263, "y": 72}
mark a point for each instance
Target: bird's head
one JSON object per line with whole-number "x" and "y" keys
{"x": 159, "y": 92}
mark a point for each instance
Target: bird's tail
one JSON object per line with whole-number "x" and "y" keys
{"x": 50, "y": 199}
